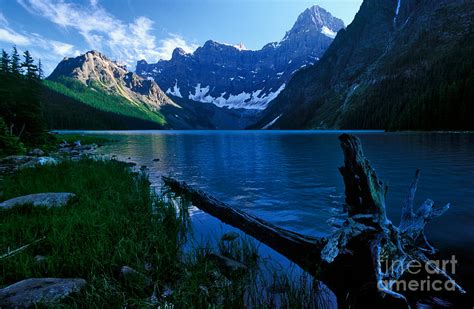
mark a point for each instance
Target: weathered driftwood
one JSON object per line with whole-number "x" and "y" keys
{"x": 367, "y": 253}
{"x": 298, "y": 248}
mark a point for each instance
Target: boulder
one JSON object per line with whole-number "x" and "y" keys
{"x": 47, "y": 200}
{"x": 40, "y": 259}
{"x": 36, "y": 153}
{"x": 45, "y": 291}
{"x": 167, "y": 292}
{"x": 64, "y": 144}
{"x": 39, "y": 161}
{"x": 15, "y": 160}
{"x": 227, "y": 265}
{"x": 135, "y": 279}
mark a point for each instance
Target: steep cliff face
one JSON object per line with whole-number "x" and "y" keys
{"x": 95, "y": 69}
{"x": 231, "y": 76}
{"x": 401, "y": 64}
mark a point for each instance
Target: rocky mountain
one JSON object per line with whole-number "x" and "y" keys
{"x": 96, "y": 71}
{"x": 93, "y": 92}
{"x": 401, "y": 64}
{"x": 234, "y": 77}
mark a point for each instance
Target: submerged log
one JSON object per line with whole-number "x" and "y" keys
{"x": 362, "y": 260}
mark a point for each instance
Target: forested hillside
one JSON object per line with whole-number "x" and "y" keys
{"x": 21, "y": 115}
{"x": 69, "y": 104}
{"x": 66, "y": 113}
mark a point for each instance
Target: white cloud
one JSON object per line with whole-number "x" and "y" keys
{"x": 127, "y": 42}
{"x": 9, "y": 36}
{"x": 168, "y": 45}
{"x": 50, "y": 51}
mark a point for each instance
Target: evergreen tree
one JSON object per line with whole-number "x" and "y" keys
{"x": 15, "y": 62}
{"x": 31, "y": 70}
{"x": 20, "y": 103}
{"x": 40, "y": 70}
{"x": 4, "y": 62}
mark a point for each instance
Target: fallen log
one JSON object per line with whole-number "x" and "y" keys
{"x": 365, "y": 258}
{"x": 298, "y": 248}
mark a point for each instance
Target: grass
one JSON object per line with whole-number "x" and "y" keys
{"x": 109, "y": 226}
{"x": 112, "y": 224}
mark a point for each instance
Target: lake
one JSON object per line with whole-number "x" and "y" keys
{"x": 290, "y": 178}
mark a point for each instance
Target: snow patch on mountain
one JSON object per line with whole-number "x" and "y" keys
{"x": 175, "y": 91}
{"x": 328, "y": 32}
{"x": 257, "y": 100}
{"x": 199, "y": 94}
{"x": 271, "y": 122}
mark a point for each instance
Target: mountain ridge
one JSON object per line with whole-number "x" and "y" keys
{"x": 234, "y": 77}
{"x": 392, "y": 68}
{"x": 93, "y": 84}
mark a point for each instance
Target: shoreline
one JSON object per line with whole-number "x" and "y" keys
{"x": 101, "y": 236}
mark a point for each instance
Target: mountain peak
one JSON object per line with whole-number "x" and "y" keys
{"x": 240, "y": 46}
{"x": 318, "y": 19}
{"x": 95, "y": 70}
{"x": 178, "y": 52}
{"x": 229, "y": 75}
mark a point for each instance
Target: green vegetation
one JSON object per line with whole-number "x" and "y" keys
{"x": 9, "y": 144}
{"x": 64, "y": 112}
{"x": 437, "y": 97}
{"x": 111, "y": 224}
{"x": 22, "y": 121}
{"x": 93, "y": 95}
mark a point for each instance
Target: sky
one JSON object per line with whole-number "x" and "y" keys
{"x": 131, "y": 30}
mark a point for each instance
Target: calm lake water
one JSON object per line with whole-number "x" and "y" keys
{"x": 291, "y": 178}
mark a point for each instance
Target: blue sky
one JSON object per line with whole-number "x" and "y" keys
{"x": 130, "y": 30}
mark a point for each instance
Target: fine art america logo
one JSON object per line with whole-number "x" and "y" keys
{"x": 431, "y": 282}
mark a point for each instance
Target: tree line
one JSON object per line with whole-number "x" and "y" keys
{"x": 21, "y": 117}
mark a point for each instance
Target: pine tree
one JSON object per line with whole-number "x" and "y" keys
{"x": 4, "y": 62}
{"x": 31, "y": 70}
{"x": 40, "y": 70}
{"x": 15, "y": 65}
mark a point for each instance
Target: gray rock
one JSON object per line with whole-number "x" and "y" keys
{"x": 167, "y": 292}
{"x": 230, "y": 236}
{"x": 39, "y": 161}
{"x": 40, "y": 259}
{"x": 227, "y": 265}
{"x": 203, "y": 290}
{"x": 48, "y": 200}
{"x": 135, "y": 279}
{"x": 64, "y": 144}
{"x": 30, "y": 292}
{"x": 12, "y": 163}
{"x": 36, "y": 152}
{"x": 77, "y": 144}
{"x": 15, "y": 160}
